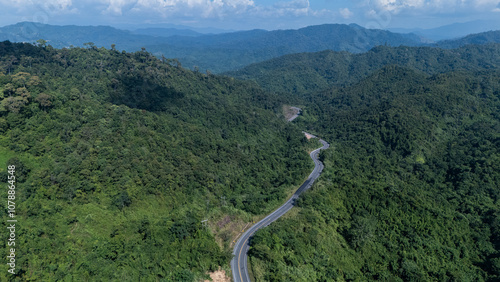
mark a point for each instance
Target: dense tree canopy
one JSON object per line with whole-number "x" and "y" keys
{"x": 307, "y": 73}
{"x": 410, "y": 188}
{"x": 120, "y": 156}
{"x": 118, "y": 153}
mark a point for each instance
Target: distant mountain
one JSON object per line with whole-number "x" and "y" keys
{"x": 479, "y": 38}
{"x": 216, "y": 52}
{"x": 202, "y": 30}
{"x": 352, "y": 38}
{"x": 452, "y": 31}
{"x": 242, "y": 48}
{"x": 166, "y": 32}
{"x": 65, "y": 36}
{"x": 310, "y": 72}
{"x": 228, "y": 51}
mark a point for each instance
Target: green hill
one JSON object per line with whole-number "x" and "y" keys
{"x": 492, "y": 36}
{"x": 410, "y": 186}
{"x": 310, "y": 72}
{"x": 214, "y": 52}
{"x": 120, "y": 156}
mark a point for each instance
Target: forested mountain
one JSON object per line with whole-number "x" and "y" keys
{"x": 216, "y": 52}
{"x": 478, "y": 38}
{"x": 72, "y": 35}
{"x": 452, "y": 31}
{"x": 166, "y": 32}
{"x": 410, "y": 186}
{"x": 311, "y": 72}
{"x": 120, "y": 156}
{"x": 228, "y": 51}
{"x": 242, "y": 48}
{"x": 353, "y": 38}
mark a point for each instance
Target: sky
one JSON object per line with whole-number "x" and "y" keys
{"x": 250, "y": 14}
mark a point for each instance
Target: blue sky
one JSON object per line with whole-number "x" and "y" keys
{"x": 250, "y": 14}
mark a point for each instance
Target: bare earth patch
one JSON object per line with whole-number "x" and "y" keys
{"x": 226, "y": 229}
{"x": 309, "y": 136}
{"x": 224, "y": 221}
{"x": 219, "y": 276}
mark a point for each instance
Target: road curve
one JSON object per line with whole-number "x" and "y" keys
{"x": 299, "y": 110}
{"x": 239, "y": 262}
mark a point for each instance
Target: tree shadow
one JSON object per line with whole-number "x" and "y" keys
{"x": 140, "y": 92}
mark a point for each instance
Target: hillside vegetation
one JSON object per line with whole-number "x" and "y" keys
{"x": 215, "y": 52}
{"x": 120, "y": 156}
{"x": 492, "y": 36}
{"x": 312, "y": 72}
{"x": 231, "y": 51}
{"x": 410, "y": 186}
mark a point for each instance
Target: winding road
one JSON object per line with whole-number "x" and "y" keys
{"x": 298, "y": 110}
{"x": 239, "y": 265}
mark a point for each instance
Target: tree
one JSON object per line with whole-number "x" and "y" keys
{"x": 13, "y": 104}
{"x": 122, "y": 200}
{"x": 21, "y": 78}
{"x": 10, "y": 63}
{"x": 41, "y": 43}
{"x": 89, "y": 45}
{"x": 44, "y": 100}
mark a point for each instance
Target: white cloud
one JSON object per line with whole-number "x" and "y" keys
{"x": 115, "y": 7}
{"x": 172, "y": 10}
{"x": 398, "y": 5}
{"x": 295, "y": 4}
{"x": 203, "y": 8}
{"x": 295, "y": 8}
{"x": 431, "y": 6}
{"x": 54, "y": 6}
{"x": 346, "y": 13}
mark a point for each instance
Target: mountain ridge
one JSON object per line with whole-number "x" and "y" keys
{"x": 238, "y": 48}
{"x": 234, "y": 50}
{"x": 309, "y": 72}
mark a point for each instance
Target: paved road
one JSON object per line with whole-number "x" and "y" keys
{"x": 239, "y": 262}
{"x": 296, "y": 115}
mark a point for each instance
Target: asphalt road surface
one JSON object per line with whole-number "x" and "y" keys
{"x": 239, "y": 262}
{"x": 296, "y": 115}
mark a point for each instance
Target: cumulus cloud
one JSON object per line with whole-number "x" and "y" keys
{"x": 176, "y": 10}
{"x": 53, "y": 5}
{"x": 346, "y": 13}
{"x": 431, "y": 6}
{"x": 295, "y": 7}
{"x": 115, "y": 7}
{"x": 203, "y": 8}
{"x": 497, "y": 8}
{"x": 295, "y": 4}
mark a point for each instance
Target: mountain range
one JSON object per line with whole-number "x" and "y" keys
{"x": 205, "y": 51}
{"x": 129, "y": 166}
{"x": 308, "y": 72}
{"x": 451, "y": 31}
{"x": 228, "y": 51}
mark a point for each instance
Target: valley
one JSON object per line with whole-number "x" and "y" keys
{"x": 140, "y": 156}
{"x": 239, "y": 265}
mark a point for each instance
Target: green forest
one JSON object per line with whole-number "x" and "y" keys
{"x": 410, "y": 190}
{"x": 308, "y": 73}
{"x": 120, "y": 156}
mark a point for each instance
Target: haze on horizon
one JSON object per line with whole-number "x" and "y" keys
{"x": 251, "y": 14}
